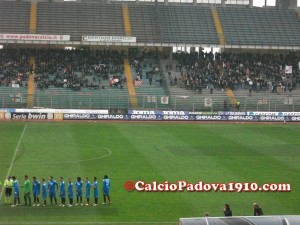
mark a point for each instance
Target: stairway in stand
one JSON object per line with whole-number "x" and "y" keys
{"x": 31, "y": 85}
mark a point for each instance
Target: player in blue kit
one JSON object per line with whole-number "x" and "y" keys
{"x": 95, "y": 186}
{"x": 36, "y": 188}
{"x": 106, "y": 189}
{"x": 16, "y": 188}
{"x": 44, "y": 191}
{"x": 62, "y": 192}
{"x": 70, "y": 192}
{"x": 78, "y": 186}
{"x": 87, "y": 191}
{"x": 52, "y": 188}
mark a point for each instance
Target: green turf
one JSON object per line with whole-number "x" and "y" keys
{"x": 148, "y": 151}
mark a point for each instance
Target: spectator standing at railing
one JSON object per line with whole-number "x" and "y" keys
{"x": 150, "y": 79}
{"x": 227, "y": 210}
{"x": 238, "y": 104}
{"x": 257, "y": 210}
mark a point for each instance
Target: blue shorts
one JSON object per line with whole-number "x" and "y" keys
{"x": 36, "y": 193}
{"x": 52, "y": 194}
{"x": 63, "y": 195}
{"x": 87, "y": 194}
{"x": 96, "y": 194}
{"x": 44, "y": 196}
{"x": 79, "y": 193}
{"x": 106, "y": 192}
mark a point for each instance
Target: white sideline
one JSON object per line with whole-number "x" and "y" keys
{"x": 13, "y": 159}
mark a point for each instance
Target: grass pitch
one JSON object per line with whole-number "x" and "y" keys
{"x": 153, "y": 151}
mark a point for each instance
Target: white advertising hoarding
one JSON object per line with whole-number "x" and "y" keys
{"x": 109, "y": 38}
{"x": 35, "y": 37}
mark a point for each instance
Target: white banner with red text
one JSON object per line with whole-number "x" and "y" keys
{"x": 35, "y": 37}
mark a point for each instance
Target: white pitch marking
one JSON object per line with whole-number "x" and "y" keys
{"x": 14, "y": 157}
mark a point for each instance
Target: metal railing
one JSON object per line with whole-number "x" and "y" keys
{"x": 96, "y": 100}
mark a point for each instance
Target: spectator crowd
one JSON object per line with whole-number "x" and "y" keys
{"x": 75, "y": 69}
{"x": 60, "y": 68}
{"x": 253, "y": 71}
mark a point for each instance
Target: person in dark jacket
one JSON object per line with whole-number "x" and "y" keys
{"x": 227, "y": 210}
{"x": 257, "y": 210}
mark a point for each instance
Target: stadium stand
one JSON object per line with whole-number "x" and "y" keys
{"x": 234, "y": 73}
{"x": 187, "y": 24}
{"x": 77, "y": 19}
{"x": 14, "y": 17}
{"x": 260, "y": 26}
{"x": 144, "y": 23}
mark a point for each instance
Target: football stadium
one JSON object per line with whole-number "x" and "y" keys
{"x": 149, "y": 112}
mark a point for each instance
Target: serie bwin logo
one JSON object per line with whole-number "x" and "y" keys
{"x": 30, "y": 116}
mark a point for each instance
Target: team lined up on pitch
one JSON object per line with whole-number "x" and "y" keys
{"x": 50, "y": 188}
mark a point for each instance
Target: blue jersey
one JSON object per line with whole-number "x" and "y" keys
{"x": 78, "y": 185}
{"x": 44, "y": 190}
{"x": 106, "y": 186}
{"x": 52, "y": 186}
{"x": 70, "y": 190}
{"x": 87, "y": 189}
{"x": 36, "y": 187}
{"x": 16, "y": 187}
{"x": 95, "y": 189}
{"x": 62, "y": 190}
